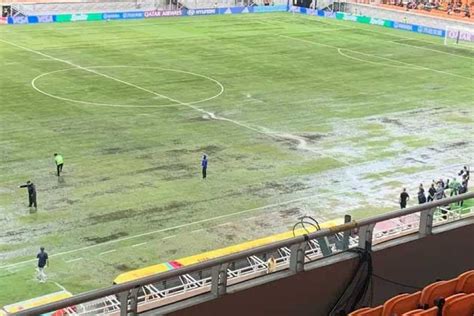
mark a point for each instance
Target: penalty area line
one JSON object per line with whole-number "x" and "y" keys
{"x": 206, "y": 220}
{"x": 74, "y": 260}
{"x": 140, "y": 244}
{"x": 106, "y": 252}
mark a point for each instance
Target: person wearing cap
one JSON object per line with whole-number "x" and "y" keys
{"x": 59, "y": 160}
{"x": 31, "y": 193}
{"x": 204, "y": 166}
{"x": 43, "y": 261}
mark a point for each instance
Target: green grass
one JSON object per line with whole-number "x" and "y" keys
{"x": 300, "y": 120}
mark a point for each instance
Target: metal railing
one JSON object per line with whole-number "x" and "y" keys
{"x": 126, "y": 298}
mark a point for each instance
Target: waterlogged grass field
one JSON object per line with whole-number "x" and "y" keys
{"x": 298, "y": 115}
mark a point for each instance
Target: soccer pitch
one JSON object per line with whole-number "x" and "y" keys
{"x": 298, "y": 115}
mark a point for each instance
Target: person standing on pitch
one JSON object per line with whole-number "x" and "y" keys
{"x": 59, "y": 160}
{"x": 421, "y": 194}
{"x": 204, "y": 166}
{"x": 43, "y": 262}
{"x": 404, "y": 197}
{"x": 432, "y": 192}
{"x": 31, "y": 193}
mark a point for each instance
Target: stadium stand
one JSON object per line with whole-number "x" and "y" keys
{"x": 463, "y": 12}
{"x": 453, "y": 297}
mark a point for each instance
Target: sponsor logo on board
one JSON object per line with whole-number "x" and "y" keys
{"x": 375, "y": 21}
{"x": 78, "y": 17}
{"x": 158, "y": 13}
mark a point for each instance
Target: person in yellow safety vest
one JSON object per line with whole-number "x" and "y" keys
{"x": 271, "y": 265}
{"x": 59, "y": 160}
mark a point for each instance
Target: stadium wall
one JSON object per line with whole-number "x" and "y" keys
{"x": 365, "y": 19}
{"x": 409, "y": 260}
{"x": 141, "y": 14}
{"x": 372, "y": 21}
{"x": 404, "y": 16}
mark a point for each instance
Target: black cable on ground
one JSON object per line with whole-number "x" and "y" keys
{"x": 397, "y": 283}
{"x": 357, "y": 289}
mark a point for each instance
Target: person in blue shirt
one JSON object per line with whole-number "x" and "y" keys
{"x": 204, "y": 166}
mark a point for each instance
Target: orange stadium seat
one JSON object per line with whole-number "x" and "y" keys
{"x": 401, "y": 304}
{"x": 387, "y": 306}
{"x": 360, "y": 310}
{"x": 462, "y": 305}
{"x": 466, "y": 283}
{"x": 412, "y": 312}
{"x": 376, "y": 311}
{"x": 433, "y": 311}
{"x": 437, "y": 290}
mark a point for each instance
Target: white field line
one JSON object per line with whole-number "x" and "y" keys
{"x": 375, "y": 56}
{"x": 140, "y": 244}
{"x": 302, "y": 142}
{"x": 197, "y": 230}
{"x": 339, "y": 50}
{"x": 206, "y": 220}
{"x": 74, "y": 260}
{"x": 397, "y": 36}
{"x": 60, "y": 286}
{"x": 178, "y": 226}
{"x": 106, "y": 252}
{"x": 9, "y": 266}
{"x": 221, "y": 87}
{"x": 168, "y": 237}
{"x": 432, "y": 50}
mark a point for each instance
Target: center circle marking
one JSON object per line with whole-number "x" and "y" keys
{"x": 34, "y": 81}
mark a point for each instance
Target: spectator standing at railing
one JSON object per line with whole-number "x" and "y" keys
{"x": 431, "y": 192}
{"x": 421, "y": 194}
{"x": 454, "y": 186}
{"x": 440, "y": 192}
{"x": 465, "y": 175}
{"x": 404, "y": 197}
{"x": 462, "y": 189}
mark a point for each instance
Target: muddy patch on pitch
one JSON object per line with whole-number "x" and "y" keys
{"x": 133, "y": 213}
{"x": 293, "y": 212}
{"x": 119, "y": 150}
{"x": 312, "y": 137}
{"x": 210, "y": 149}
{"x": 396, "y": 122}
{"x": 286, "y": 187}
{"x": 414, "y": 160}
{"x": 99, "y": 240}
{"x": 124, "y": 267}
{"x": 456, "y": 145}
{"x": 169, "y": 167}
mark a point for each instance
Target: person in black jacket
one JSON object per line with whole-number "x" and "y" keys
{"x": 462, "y": 189}
{"x": 404, "y": 197}
{"x": 31, "y": 193}
{"x": 431, "y": 193}
{"x": 421, "y": 194}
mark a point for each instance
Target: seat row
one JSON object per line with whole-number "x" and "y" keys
{"x": 443, "y": 298}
